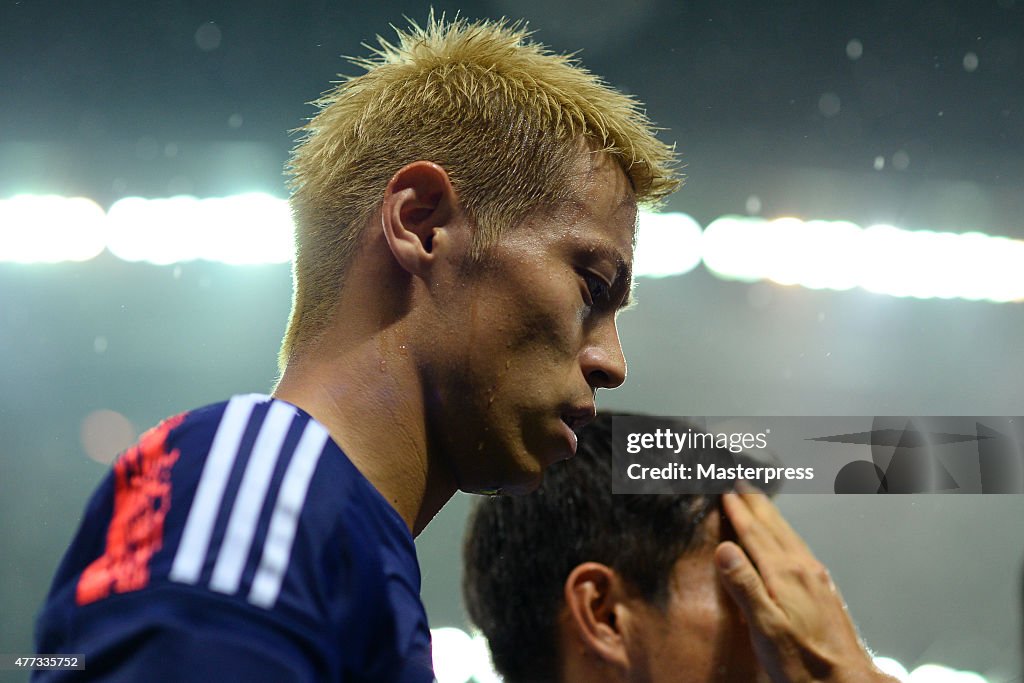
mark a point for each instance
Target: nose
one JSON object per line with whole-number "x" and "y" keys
{"x": 602, "y": 360}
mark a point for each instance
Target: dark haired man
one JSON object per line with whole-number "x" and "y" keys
{"x": 572, "y": 583}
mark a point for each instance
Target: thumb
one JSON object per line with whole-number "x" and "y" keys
{"x": 745, "y": 586}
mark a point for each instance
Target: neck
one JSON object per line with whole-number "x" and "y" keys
{"x": 579, "y": 665}
{"x": 583, "y": 670}
{"x": 370, "y": 398}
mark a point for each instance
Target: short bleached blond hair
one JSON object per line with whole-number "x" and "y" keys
{"x": 504, "y": 116}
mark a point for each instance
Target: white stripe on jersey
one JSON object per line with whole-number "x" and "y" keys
{"x": 245, "y": 513}
{"x": 277, "y": 548}
{"x": 195, "y": 539}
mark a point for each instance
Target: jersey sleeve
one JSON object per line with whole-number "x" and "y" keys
{"x": 174, "y": 636}
{"x": 225, "y": 544}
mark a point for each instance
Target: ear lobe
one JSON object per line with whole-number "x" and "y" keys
{"x": 419, "y": 203}
{"x": 594, "y": 597}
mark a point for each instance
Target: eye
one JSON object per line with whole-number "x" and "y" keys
{"x": 597, "y": 290}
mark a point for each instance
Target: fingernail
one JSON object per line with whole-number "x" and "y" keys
{"x": 728, "y": 558}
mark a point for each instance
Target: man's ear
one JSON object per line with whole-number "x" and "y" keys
{"x": 419, "y": 204}
{"x": 595, "y": 598}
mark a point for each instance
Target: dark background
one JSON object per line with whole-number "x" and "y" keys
{"x": 110, "y": 99}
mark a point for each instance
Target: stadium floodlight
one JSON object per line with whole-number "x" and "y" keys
{"x": 50, "y": 229}
{"x": 666, "y": 244}
{"x": 256, "y": 228}
{"x": 883, "y": 259}
{"x": 241, "y": 229}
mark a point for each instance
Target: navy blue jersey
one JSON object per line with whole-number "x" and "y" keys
{"x": 238, "y": 540}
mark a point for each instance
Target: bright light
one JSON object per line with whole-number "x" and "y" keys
{"x": 935, "y": 673}
{"x": 483, "y": 667}
{"x": 49, "y": 229}
{"x": 892, "y": 667}
{"x": 884, "y": 259}
{"x": 666, "y": 244}
{"x": 456, "y": 656}
{"x": 732, "y": 248}
{"x": 257, "y": 228}
{"x": 459, "y": 657}
{"x": 789, "y": 251}
{"x": 242, "y": 229}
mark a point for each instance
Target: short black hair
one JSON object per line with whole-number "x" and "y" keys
{"x": 520, "y": 549}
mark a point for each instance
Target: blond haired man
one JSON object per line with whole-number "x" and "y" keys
{"x": 465, "y": 216}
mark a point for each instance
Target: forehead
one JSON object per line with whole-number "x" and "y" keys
{"x": 594, "y": 221}
{"x": 600, "y": 184}
{"x": 599, "y": 213}
{"x": 599, "y": 190}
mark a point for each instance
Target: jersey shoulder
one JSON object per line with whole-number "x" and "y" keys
{"x": 247, "y": 504}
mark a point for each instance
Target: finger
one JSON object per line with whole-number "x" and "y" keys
{"x": 755, "y": 536}
{"x": 763, "y": 509}
{"x": 745, "y": 586}
{"x": 760, "y": 505}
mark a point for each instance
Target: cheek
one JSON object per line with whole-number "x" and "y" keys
{"x": 538, "y": 320}
{"x": 735, "y": 659}
{"x": 512, "y": 349}
{"x": 699, "y": 621}
{"x": 709, "y": 639}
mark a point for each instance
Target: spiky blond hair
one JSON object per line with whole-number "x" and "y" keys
{"x": 504, "y": 116}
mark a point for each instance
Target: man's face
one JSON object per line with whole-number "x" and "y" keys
{"x": 700, "y": 637}
{"x": 529, "y": 334}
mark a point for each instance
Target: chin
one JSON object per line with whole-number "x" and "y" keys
{"x": 513, "y": 473}
{"x": 517, "y": 488}
{"x": 525, "y": 486}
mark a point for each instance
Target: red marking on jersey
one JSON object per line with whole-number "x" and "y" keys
{"x": 142, "y": 497}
